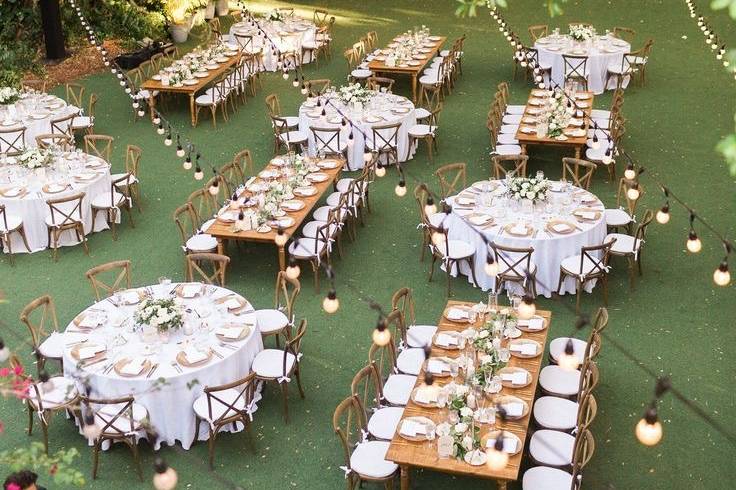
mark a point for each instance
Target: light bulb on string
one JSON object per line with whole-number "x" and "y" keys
{"x": 380, "y": 170}
{"x": 649, "y": 429}
{"x": 160, "y": 129}
{"x": 215, "y": 187}
{"x": 568, "y": 360}
{"x": 156, "y": 119}
{"x": 721, "y": 276}
{"x": 295, "y": 82}
{"x": 663, "y": 215}
{"x": 527, "y": 308}
{"x": 694, "y": 245}
{"x": 596, "y": 144}
{"x": 187, "y": 162}
{"x": 285, "y": 76}
{"x": 630, "y": 173}
{"x": 4, "y": 351}
{"x": 633, "y": 192}
{"x": 179, "y": 150}
{"x": 496, "y": 457}
{"x": 400, "y": 188}
{"x": 136, "y": 104}
{"x": 165, "y": 478}
{"x": 168, "y": 141}
{"x": 292, "y": 270}
{"x": 430, "y": 207}
{"x": 304, "y": 90}
{"x": 198, "y": 174}
{"x": 141, "y": 112}
{"x": 119, "y": 75}
{"x": 331, "y": 304}
{"x": 491, "y": 267}
{"x": 281, "y": 237}
{"x": 381, "y": 334}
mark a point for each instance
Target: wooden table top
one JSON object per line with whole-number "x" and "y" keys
{"x": 532, "y": 138}
{"x": 152, "y": 84}
{"x": 419, "y": 454}
{"x": 381, "y": 67}
{"x": 224, "y": 231}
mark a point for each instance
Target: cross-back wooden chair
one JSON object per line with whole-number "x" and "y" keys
{"x": 318, "y": 86}
{"x": 320, "y": 17}
{"x": 62, "y": 141}
{"x": 452, "y": 178}
{"x": 285, "y": 295}
{"x": 216, "y": 97}
{"x": 112, "y": 202}
{"x": 503, "y": 164}
{"x": 232, "y": 172}
{"x": 450, "y": 253}
{"x": 385, "y": 141}
{"x": 188, "y": 225}
{"x": 121, "y": 280}
{"x": 515, "y": 265}
{"x": 64, "y": 124}
{"x": 287, "y": 366}
{"x": 223, "y": 405}
{"x": 33, "y": 84}
{"x": 366, "y": 385}
{"x": 13, "y": 140}
{"x": 75, "y": 94}
{"x": 10, "y": 224}
{"x": 328, "y": 141}
{"x": 576, "y": 69}
{"x": 244, "y": 161}
{"x": 86, "y": 122}
{"x": 65, "y": 214}
{"x": 284, "y": 137}
{"x": 119, "y": 420}
{"x": 196, "y": 267}
{"x": 383, "y": 357}
{"x": 630, "y": 246}
{"x": 580, "y": 171}
{"x": 538, "y": 31}
{"x": 133, "y": 155}
{"x": 427, "y": 132}
{"x": 157, "y": 61}
{"x": 99, "y": 145}
{"x": 316, "y": 251}
{"x": 204, "y": 207}
{"x": 421, "y": 195}
{"x": 623, "y": 201}
{"x": 591, "y": 264}
{"x": 626, "y": 33}
{"x": 380, "y": 84}
{"x": 39, "y": 316}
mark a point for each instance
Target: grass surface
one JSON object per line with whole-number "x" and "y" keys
{"x": 674, "y": 319}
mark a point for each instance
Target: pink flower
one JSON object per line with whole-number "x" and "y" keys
{"x": 18, "y": 370}
{"x": 4, "y": 372}
{"x": 13, "y": 486}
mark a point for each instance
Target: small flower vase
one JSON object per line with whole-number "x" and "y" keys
{"x": 149, "y": 334}
{"x": 527, "y": 206}
{"x": 40, "y": 172}
{"x": 358, "y": 106}
{"x": 541, "y": 130}
{"x": 165, "y": 336}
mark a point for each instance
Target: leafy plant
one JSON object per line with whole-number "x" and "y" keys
{"x": 58, "y": 465}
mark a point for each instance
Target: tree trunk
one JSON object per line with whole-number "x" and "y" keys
{"x": 52, "y": 31}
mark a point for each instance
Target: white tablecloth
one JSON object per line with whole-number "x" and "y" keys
{"x": 35, "y": 112}
{"x": 382, "y": 107}
{"x": 549, "y": 248}
{"x": 280, "y": 33}
{"x": 169, "y": 405}
{"x": 32, "y": 208}
{"x": 602, "y": 52}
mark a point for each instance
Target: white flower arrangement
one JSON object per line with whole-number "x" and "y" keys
{"x": 354, "y": 93}
{"x": 35, "y": 158}
{"x": 9, "y": 95}
{"x": 558, "y": 113}
{"x": 580, "y": 32}
{"x": 528, "y": 188}
{"x": 162, "y": 314}
{"x": 274, "y": 15}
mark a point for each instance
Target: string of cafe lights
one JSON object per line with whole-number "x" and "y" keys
{"x": 713, "y": 40}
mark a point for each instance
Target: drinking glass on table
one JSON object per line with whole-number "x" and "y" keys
{"x": 504, "y": 355}
{"x": 454, "y": 370}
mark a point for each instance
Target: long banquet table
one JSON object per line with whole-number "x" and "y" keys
{"x": 409, "y": 454}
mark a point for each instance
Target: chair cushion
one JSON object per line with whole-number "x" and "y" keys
{"x": 383, "y": 422}
{"x": 420, "y": 335}
{"x": 53, "y": 346}
{"x": 219, "y": 409}
{"x": 83, "y": 122}
{"x": 206, "y": 99}
{"x": 515, "y": 109}
{"x": 122, "y": 423}
{"x": 600, "y": 114}
{"x": 509, "y": 129}
{"x": 624, "y": 244}
{"x": 421, "y": 113}
{"x": 201, "y": 242}
{"x": 552, "y": 447}
{"x": 546, "y": 478}
{"x": 512, "y": 119}
{"x": 114, "y": 177}
{"x": 397, "y": 389}
{"x": 291, "y": 121}
{"x": 617, "y": 217}
{"x": 507, "y": 139}
{"x": 359, "y": 73}
{"x": 557, "y": 347}
{"x": 559, "y": 381}
{"x": 421, "y": 130}
{"x": 305, "y": 248}
{"x": 553, "y": 412}
{"x": 270, "y": 321}
{"x": 571, "y": 265}
{"x": 310, "y": 230}
{"x": 322, "y": 213}
{"x": 63, "y": 391}
{"x": 13, "y": 222}
{"x": 458, "y": 249}
{"x": 293, "y": 137}
{"x": 145, "y": 94}
{"x": 617, "y": 69}
{"x": 410, "y": 361}
{"x": 343, "y": 184}
{"x": 105, "y": 200}
{"x": 596, "y": 155}
{"x": 369, "y": 459}
{"x": 432, "y": 79}
{"x": 507, "y": 150}
{"x": 269, "y": 363}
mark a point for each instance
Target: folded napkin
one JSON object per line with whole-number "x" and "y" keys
{"x": 516, "y": 378}
{"x": 457, "y": 314}
{"x": 509, "y": 444}
{"x": 479, "y": 219}
{"x": 524, "y": 349}
{"x": 514, "y": 409}
{"x": 130, "y": 297}
{"x": 586, "y": 214}
{"x": 412, "y": 429}
{"x": 518, "y": 229}
{"x": 229, "y": 332}
{"x": 193, "y": 355}
{"x": 426, "y": 395}
{"x": 233, "y": 304}
{"x": 446, "y": 340}
{"x": 534, "y": 323}
{"x": 90, "y": 351}
{"x": 560, "y": 227}
{"x": 190, "y": 290}
{"x": 435, "y": 366}
{"x": 465, "y": 200}
{"x": 135, "y": 366}
{"x": 56, "y": 187}
{"x": 90, "y": 320}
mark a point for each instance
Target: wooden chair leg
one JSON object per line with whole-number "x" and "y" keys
{"x": 136, "y": 458}
{"x": 95, "y": 458}
{"x": 431, "y": 268}
{"x": 298, "y": 376}
{"x": 22, "y": 232}
{"x": 30, "y": 421}
{"x": 285, "y": 394}
{"x": 578, "y": 293}
{"x": 211, "y": 448}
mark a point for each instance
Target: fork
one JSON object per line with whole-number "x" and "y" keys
{"x": 228, "y": 346}
{"x": 175, "y": 365}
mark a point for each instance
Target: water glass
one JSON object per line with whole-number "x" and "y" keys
{"x": 504, "y": 355}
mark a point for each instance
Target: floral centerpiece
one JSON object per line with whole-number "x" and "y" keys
{"x": 164, "y": 314}
{"x": 35, "y": 158}
{"x": 9, "y": 95}
{"x": 558, "y": 114}
{"x": 465, "y": 433}
{"x": 274, "y": 15}
{"x": 528, "y": 188}
{"x": 354, "y": 94}
{"x": 581, "y": 32}
{"x": 488, "y": 366}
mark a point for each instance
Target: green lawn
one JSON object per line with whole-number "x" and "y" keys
{"x": 675, "y": 319}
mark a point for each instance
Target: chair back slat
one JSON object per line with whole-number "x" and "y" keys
{"x": 13, "y": 140}
{"x": 196, "y": 265}
{"x": 121, "y": 280}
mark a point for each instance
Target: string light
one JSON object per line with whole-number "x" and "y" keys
{"x": 649, "y": 429}
{"x": 380, "y": 170}
{"x": 168, "y": 140}
{"x": 330, "y": 304}
{"x": 430, "y": 207}
{"x": 663, "y": 215}
{"x": 188, "y": 162}
{"x": 281, "y": 237}
{"x": 721, "y": 276}
{"x": 527, "y": 308}
{"x": 4, "y": 351}
{"x": 293, "y": 270}
{"x": 630, "y": 173}
{"x": 491, "y": 267}
{"x": 179, "y": 150}
{"x": 198, "y": 174}
{"x": 381, "y": 334}
{"x": 215, "y": 187}
{"x": 400, "y": 188}
{"x": 165, "y": 477}
{"x": 568, "y": 360}
{"x": 633, "y": 191}
{"x": 694, "y": 245}
{"x": 496, "y": 457}
{"x": 160, "y": 129}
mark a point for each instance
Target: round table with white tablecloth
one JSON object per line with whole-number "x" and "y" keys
{"x": 601, "y": 51}
{"x": 570, "y": 219}
{"x": 119, "y": 358}
{"x": 34, "y": 111}
{"x": 24, "y": 193}
{"x": 383, "y": 109}
{"x": 288, "y": 35}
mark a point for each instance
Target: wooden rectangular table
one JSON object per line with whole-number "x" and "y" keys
{"x": 223, "y": 231}
{"x": 190, "y": 90}
{"x": 408, "y": 454}
{"x": 380, "y": 67}
{"x": 577, "y": 142}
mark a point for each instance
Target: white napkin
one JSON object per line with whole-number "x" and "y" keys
{"x": 90, "y": 351}
{"x": 435, "y": 366}
{"x": 411, "y": 428}
{"x": 586, "y": 214}
{"x": 229, "y": 332}
{"x": 135, "y": 366}
{"x": 465, "y": 200}
{"x": 190, "y": 290}
{"x": 446, "y": 340}
{"x": 479, "y": 219}
{"x": 457, "y": 314}
{"x": 560, "y": 227}
{"x": 90, "y": 320}
{"x": 193, "y": 355}
{"x": 130, "y": 297}
{"x": 524, "y": 349}
{"x": 534, "y": 323}
{"x": 518, "y": 229}
{"x": 514, "y": 409}
{"x": 425, "y": 395}
{"x": 516, "y": 378}
{"x": 232, "y": 304}
{"x": 509, "y": 444}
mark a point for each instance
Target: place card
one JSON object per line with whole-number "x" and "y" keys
{"x": 446, "y": 340}
{"x": 515, "y": 378}
{"x": 509, "y": 444}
